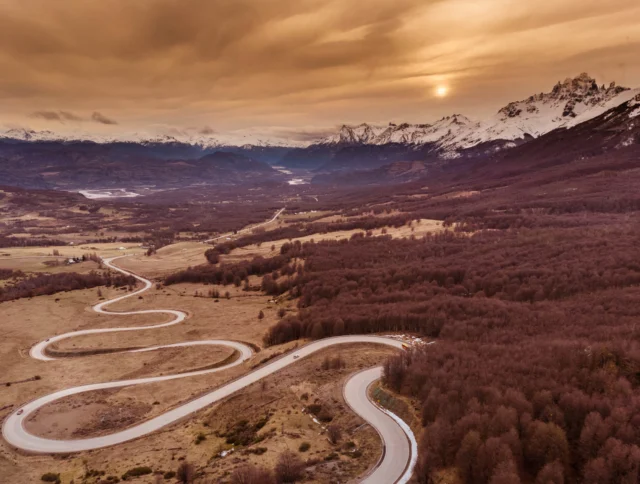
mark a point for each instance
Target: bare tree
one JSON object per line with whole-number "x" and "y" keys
{"x": 250, "y": 474}
{"x": 186, "y": 473}
{"x": 289, "y": 468}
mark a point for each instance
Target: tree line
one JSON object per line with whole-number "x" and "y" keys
{"x": 47, "y": 284}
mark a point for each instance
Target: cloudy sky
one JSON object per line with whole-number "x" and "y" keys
{"x": 296, "y": 67}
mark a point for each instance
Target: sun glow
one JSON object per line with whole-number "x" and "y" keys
{"x": 442, "y": 91}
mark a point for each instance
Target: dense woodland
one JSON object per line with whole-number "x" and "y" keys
{"x": 536, "y": 368}
{"x": 534, "y": 376}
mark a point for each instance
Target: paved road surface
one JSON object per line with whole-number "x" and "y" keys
{"x": 398, "y": 443}
{"x": 393, "y": 467}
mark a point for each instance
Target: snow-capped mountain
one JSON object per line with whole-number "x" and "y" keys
{"x": 569, "y": 103}
{"x": 399, "y": 133}
{"x": 204, "y": 141}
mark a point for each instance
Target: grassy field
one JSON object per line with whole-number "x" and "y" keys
{"x": 103, "y": 250}
{"x": 268, "y": 249}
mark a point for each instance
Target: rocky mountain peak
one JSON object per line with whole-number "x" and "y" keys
{"x": 573, "y": 95}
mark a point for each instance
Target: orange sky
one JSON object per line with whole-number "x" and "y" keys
{"x": 296, "y": 67}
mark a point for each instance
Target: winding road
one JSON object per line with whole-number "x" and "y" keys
{"x": 399, "y": 449}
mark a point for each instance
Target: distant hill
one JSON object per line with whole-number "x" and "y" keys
{"x": 84, "y": 165}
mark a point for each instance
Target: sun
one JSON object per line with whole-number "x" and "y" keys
{"x": 442, "y": 91}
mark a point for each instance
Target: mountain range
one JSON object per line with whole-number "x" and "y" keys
{"x": 398, "y": 151}
{"x": 567, "y": 104}
{"x": 609, "y": 141}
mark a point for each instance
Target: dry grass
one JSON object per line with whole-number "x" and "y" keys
{"x": 454, "y": 195}
{"x": 103, "y": 250}
{"x": 45, "y": 265}
{"x": 167, "y": 260}
{"x": 417, "y": 229}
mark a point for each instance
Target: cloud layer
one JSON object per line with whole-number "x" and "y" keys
{"x": 245, "y": 63}
{"x": 63, "y": 116}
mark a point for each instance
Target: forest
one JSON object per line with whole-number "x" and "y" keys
{"x": 534, "y": 375}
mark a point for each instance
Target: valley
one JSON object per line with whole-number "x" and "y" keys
{"x": 215, "y": 272}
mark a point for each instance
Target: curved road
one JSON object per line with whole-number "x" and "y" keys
{"x": 398, "y": 456}
{"x": 400, "y": 449}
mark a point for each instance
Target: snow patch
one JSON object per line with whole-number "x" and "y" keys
{"x": 627, "y": 142}
{"x": 110, "y": 193}
{"x": 225, "y": 453}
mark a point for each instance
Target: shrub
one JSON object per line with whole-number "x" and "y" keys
{"x": 50, "y": 477}
{"x": 304, "y": 446}
{"x": 137, "y": 471}
{"x": 325, "y": 415}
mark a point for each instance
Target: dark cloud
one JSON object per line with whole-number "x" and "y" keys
{"x": 308, "y": 135}
{"x": 102, "y": 119}
{"x": 60, "y": 116}
{"x": 47, "y": 115}
{"x": 66, "y": 115}
{"x": 206, "y": 130}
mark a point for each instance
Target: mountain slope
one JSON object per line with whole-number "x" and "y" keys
{"x": 75, "y": 166}
{"x": 609, "y": 141}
